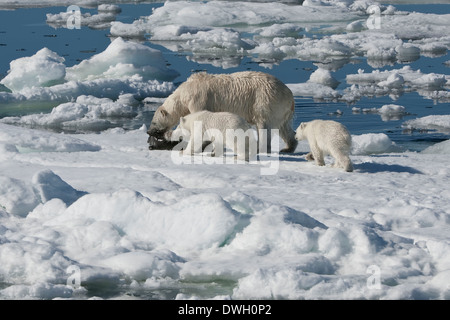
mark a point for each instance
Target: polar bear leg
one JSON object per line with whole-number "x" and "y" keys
{"x": 288, "y": 135}
{"x": 309, "y": 157}
{"x": 342, "y": 160}
{"x": 264, "y": 138}
{"x": 346, "y": 164}
{"x": 317, "y": 154}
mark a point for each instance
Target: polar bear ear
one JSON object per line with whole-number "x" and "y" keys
{"x": 303, "y": 125}
{"x": 164, "y": 113}
{"x": 182, "y": 120}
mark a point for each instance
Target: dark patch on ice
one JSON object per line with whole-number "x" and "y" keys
{"x": 159, "y": 143}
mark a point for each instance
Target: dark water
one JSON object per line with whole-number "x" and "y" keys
{"x": 24, "y": 31}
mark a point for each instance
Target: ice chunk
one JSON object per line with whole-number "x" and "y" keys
{"x": 440, "y": 123}
{"x": 407, "y": 53}
{"x": 29, "y": 140}
{"x": 45, "y": 68}
{"x": 280, "y": 30}
{"x": 439, "y": 148}
{"x": 124, "y": 67}
{"x": 195, "y": 222}
{"x": 141, "y": 265}
{"x": 392, "y": 109}
{"x": 394, "y": 80}
{"x": 356, "y": 26}
{"x": 48, "y": 186}
{"x": 372, "y": 143}
{"x": 391, "y": 112}
{"x": 123, "y": 59}
{"x": 109, "y": 8}
{"x": 101, "y": 20}
{"x": 135, "y": 30}
{"x": 88, "y": 113}
{"x": 109, "y": 88}
{"x": 315, "y": 90}
{"x": 324, "y": 77}
{"x": 218, "y": 13}
{"x": 17, "y": 197}
{"x": 430, "y": 81}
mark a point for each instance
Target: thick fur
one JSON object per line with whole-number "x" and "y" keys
{"x": 221, "y": 129}
{"x": 261, "y": 99}
{"x": 327, "y": 137}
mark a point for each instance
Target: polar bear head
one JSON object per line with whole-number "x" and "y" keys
{"x": 300, "y": 133}
{"x": 182, "y": 131}
{"x": 160, "y": 123}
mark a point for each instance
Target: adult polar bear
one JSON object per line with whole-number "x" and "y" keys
{"x": 260, "y": 98}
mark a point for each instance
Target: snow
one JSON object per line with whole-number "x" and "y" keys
{"x": 131, "y": 217}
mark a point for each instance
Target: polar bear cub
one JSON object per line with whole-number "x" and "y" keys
{"x": 326, "y": 137}
{"x": 221, "y": 129}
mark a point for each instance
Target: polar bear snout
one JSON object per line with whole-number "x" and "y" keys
{"x": 155, "y": 132}
{"x": 160, "y": 140}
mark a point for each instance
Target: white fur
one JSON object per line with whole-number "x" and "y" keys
{"x": 327, "y": 137}
{"x": 221, "y": 128}
{"x": 261, "y": 99}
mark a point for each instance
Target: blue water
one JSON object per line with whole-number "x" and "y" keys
{"x": 24, "y": 31}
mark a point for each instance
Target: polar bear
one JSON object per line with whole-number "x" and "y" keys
{"x": 261, "y": 99}
{"x": 327, "y": 137}
{"x": 221, "y": 129}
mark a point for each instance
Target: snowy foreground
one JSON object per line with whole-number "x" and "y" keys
{"x": 100, "y": 215}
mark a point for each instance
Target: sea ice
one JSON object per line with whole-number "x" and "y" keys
{"x": 102, "y": 20}
{"x": 395, "y": 82}
{"x": 124, "y": 67}
{"x": 372, "y": 143}
{"x": 440, "y": 123}
{"x": 123, "y": 59}
{"x": 440, "y": 148}
{"x": 136, "y": 222}
{"x": 44, "y": 69}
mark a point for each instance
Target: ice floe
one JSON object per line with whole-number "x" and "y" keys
{"x": 124, "y": 67}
